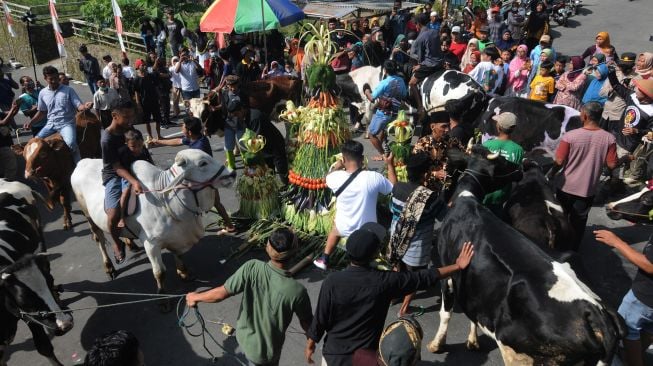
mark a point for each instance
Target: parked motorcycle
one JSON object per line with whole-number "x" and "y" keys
{"x": 560, "y": 12}
{"x": 574, "y": 5}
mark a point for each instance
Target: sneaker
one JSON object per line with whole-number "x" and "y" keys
{"x": 321, "y": 262}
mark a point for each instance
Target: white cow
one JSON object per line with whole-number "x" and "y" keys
{"x": 170, "y": 212}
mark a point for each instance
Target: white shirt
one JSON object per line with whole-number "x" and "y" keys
{"x": 106, "y": 72}
{"x": 105, "y": 101}
{"x": 128, "y": 72}
{"x": 174, "y": 76}
{"x": 483, "y": 70}
{"x": 356, "y": 205}
{"x": 188, "y": 74}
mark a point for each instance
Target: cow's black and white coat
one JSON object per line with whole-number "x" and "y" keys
{"x": 535, "y": 307}
{"x": 26, "y": 285}
{"x": 539, "y": 126}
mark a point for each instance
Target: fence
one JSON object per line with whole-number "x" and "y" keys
{"x": 107, "y": 36}
{"x": 65, "y": 10}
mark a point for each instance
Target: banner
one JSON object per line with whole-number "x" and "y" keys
{"x": 57, "y": 30}
{"x": 9, "y": 19}
{"x": 117, "y": 15}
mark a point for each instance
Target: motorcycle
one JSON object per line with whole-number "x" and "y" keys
{"x": 560, "y": 12}
{"x": 574, "y": 6}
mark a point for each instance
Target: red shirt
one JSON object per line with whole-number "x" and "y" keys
{"x": 458, "y": 49}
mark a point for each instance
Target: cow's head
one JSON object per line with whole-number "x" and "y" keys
{"x": 635, "y": 208}
{"x": 201, "y": 171}
{"x": 29, "y": 294}
{"x": 45, "y": 158}
{"x": 487, "y": 171}
{"x": 212, "y": 121}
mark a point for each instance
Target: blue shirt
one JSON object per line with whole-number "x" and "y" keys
{"x": 392, "y": 87}
{"x": 201, "y": 143}
{"x": 426, "y": 48}
{"x": 61, "y": 105}
{"x": 30, "y": 100}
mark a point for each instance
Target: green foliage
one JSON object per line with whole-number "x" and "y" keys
{"x": 321, "y": 76}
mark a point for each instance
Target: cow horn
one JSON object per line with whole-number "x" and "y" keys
{"x": 5, "y": 276}
{"x": 470, "y": 144}
{"x": 492, "y": 156}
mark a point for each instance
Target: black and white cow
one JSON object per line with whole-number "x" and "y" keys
{"x": 26, "y": 286}
{"x": 539, "y": 126}
{"x": 535, "y": 308}
{"x": 637, "y": 207}
{"x": 535, "y": 211}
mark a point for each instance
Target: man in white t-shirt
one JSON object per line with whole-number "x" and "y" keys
{"x": 176, "y": 86}
{"x": 189, "y": 71}
{"x": 356, "y": 202}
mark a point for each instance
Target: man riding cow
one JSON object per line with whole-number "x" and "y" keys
{"x": 426, "y": 51}
{"x": 59, "y": 103}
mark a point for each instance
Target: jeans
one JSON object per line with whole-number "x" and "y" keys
{"x": 578, "y": 209}
{"x": 148, "y": 42}
{"x": 69, "y": 134}
{"x": 637, "y": 316}
{"x": 230, "y": 138}
{"x": 92, "y": 84}
{"x": 161, "y": 50}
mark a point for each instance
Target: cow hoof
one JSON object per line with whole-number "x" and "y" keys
{"x": 165, "y": 306}
{"x": 472, "y": 346}
{"x": 435, "y": 348}
{"x": 112, "y": 274}
{"x": 67, "y": 226}
{"x": 186, "y": 276}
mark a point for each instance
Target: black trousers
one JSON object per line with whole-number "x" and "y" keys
{"x": 578, "y": 209}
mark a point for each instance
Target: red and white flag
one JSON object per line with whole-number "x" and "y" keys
{"x": 57, "y": 29}
{"x": 117, "y": 17}
{"x": 9, "y": 19}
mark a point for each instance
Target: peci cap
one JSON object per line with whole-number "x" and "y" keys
{"x": 455, "y": 29}
{"x": 506, "y": 120}
{"x": 434, "y": 14}
{"x": 545, "y": 38}
{"x": 627, "y": 58}
{"x": 365, "y": 242}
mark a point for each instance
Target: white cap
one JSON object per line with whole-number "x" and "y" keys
{"x": 434, "y": 13}
{"x": 455, "y": 29}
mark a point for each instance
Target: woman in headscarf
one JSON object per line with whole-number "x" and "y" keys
{"x": 536, "y": 25}
{"x": 518, "y": 71}
{"x": 596, "y": 60}
{"x": 644, "y": 65}
{"x": 601, "y": 46}
{"x": 354, "y": 27}
{"x": 472, "y": 45}
{"x": 570, "y": 85}
{"x": 600, "y": 75}
{"x": 399, "y": 51}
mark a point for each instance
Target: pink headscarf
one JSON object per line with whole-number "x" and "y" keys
{"x": 516, "y": 64}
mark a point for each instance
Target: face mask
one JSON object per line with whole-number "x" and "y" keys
{"x": 213, "y": 54}
{"x": 30, "y": 84}
{"x": 104, "y": 88}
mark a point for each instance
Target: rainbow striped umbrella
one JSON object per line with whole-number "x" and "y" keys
{"x": 245, "y": 16}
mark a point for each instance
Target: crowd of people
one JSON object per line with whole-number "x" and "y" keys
{"x": 507, "y": 52}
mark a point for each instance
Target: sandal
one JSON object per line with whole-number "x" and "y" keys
{"x": 123, "y": 255}
{"x": 227, "y": 230}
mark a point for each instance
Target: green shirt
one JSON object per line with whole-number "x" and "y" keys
{"x": 513, "y": 153}
{"x": 270, "y": 298}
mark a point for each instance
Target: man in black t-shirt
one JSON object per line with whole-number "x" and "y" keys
{"x": 146, "y": 89}
{"x": 637, "y": 306}
{"x": 112, "y": 140}
{"x": 173, "y": 29}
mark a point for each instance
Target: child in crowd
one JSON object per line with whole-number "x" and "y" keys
{"x": 543, "y": 85}
{"x": 489, "y": 72}
{"x": 474, "y": 59}
{"x": 133, "y": 150}
{"x": 104, "y": 100}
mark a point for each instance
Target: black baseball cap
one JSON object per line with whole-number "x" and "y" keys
{"x": 365, "y": 242}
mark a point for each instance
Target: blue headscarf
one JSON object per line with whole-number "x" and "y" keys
{"x": 592, "y": 92}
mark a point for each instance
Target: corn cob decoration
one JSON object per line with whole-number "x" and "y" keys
{"x": 258, "y": 187}
{"x": 402, "y": 130}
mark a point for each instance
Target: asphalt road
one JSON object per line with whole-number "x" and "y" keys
{"x": 76, "y": 262}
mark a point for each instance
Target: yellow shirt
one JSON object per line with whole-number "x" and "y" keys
{"x": 541, "y": 88}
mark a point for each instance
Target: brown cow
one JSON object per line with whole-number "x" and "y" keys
{"x": 50, "y": 160}
{"x": 263, "y": 95}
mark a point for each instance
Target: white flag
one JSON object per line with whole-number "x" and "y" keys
{"x": 57, "y": 29}
{"x": 9, "y": 19}
{"x": 117, "y": 15}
